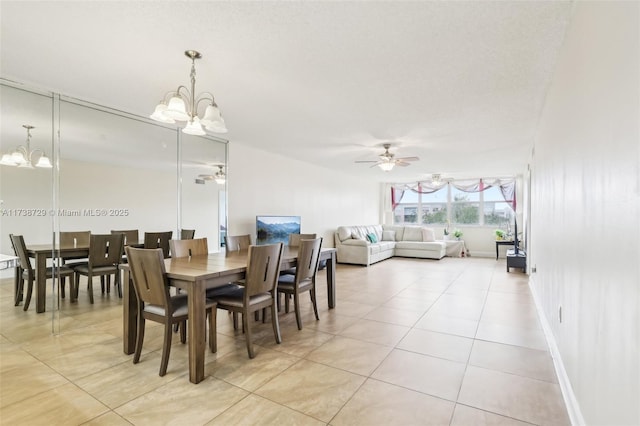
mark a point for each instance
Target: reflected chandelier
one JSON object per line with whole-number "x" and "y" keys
{"x": 23, "y": 156}
{"x": 220, "y": 177}
{"x": 183, "y": 106}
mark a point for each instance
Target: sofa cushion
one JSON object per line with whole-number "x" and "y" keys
{"x": 412, "y": 233}
{"x": 398, "y": 229}
{"x": 359, "y": 233}
{"x": 344, "y": 232}
{"x": 428, "y": 235}
{"x": 420, "y": 245}
{"x": 372, "y": 237}
{"x": 388, "y": 235}
{"x": 355, "y": 242}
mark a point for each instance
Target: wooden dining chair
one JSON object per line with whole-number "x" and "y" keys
{"x": 188, "y": 248}
{"x": 154, "y": 302}
{"x": 187, "y": 234}
{"x": 294, "y": 241}
{"x": 26, "y": 272}
{"x": 105, "y": 255}
{"x": 237, "y": 242}
{"x": 258, "y": 291}
{"x": 305, "y": 277}
{"x": 154, "y": 240}
{"x": 131, "y": 236}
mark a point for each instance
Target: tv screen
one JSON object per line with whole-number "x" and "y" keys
{"x": 276, "y": 229}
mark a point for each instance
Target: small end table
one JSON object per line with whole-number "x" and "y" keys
{"x": 503, "y": 243}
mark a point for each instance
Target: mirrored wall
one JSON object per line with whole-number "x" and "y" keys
{"x": 111, "y": 171}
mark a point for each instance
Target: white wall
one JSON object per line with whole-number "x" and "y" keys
{"x": 262, "y": 183}
{"x": 586, "y": 209}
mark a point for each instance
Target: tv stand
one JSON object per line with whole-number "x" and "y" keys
{"x": 516, "y": 258}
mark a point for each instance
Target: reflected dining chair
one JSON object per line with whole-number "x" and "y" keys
{"x": 73, "y": 239}
{"x": 258, "y": 291}
{"x": 105, "y": 255}
{"x": 237, "y": 242}
{"x": 131, "y": 236}
{"x": 305, "y": 277}
{"x": 187, "y": 234}
{"x": 27, "y": 273}
{"x": 154, "y": 302}
{"x": 188, "y": 248}
{"x": 154, "y": 240}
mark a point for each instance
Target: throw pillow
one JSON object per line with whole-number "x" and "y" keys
{"x": 372, "y": 237}
{"x": 428, "y": 235}
{"x": 388, "y": 235}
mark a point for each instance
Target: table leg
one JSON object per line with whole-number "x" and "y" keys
{"x": 331, "y": 280}
{"x": 129, "y": 313}
{"x": 41, "y": 282}
{"x": 196, "y": 328}
{"x": 497, "y": 251}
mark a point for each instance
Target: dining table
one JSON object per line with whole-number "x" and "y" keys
{"x": 196, "y": 274}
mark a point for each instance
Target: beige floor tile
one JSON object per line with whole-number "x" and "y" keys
{"x": 521, "y": 398}
{"x": 447, "y": 346}
{"x": 64, "y": 405}
{"x": 445, "y": 324}
{"x": 408, "y": 304}
{"x": 363, "y": 357}
{"x": 378, "y": 403}
{"x": 376, "y": 332}
{"x": 433, "y": 376}
{"x": 294, "y": 342}
{"x": 526, "y": 337}
{"x": 333, "y": 323}
{"x": 466, "y": 416}
{"x": 314, "y": 389}
{"x": 526, "y": 362}
{"x": 254, "y": 410}
{"x": 249, "y": 374}
{"x": 107, "y": 419}
{"x": 182, "y": 403}
{"x": 395, "y": 316}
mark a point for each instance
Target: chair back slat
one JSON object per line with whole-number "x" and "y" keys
{"x": 237, "y": 242}
{"x": 105, "y": 250}
{"x": 154, "y": 240}
{"x": 75, "y": 238}
{"x": 131, "y": 236}
{"x": 149, "y": 275}
{"x": 187, "y": 234}
{"x": 263, "y": 269}
{"x": 308, "y": 257}
{"x": 20, "y": 249}
{"x": 186, "y": 248}
{"x": 294, "y": 239}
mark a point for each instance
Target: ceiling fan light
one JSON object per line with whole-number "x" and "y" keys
{"x": 387, "y": 167}
{"x": 176, "y": 109}
{"x": 44, "y": 162}
{"x": 211, "y": 115}
{"x": 159, "y": 114}
{"x": 194, "y": 127}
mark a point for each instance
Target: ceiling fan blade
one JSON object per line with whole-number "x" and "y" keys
{"x": 366, "y": 161}
{"x": 408, "y": 159}
{"x": 402, "y": 164}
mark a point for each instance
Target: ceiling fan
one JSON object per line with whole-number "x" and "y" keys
{"x": 387, "y": 160}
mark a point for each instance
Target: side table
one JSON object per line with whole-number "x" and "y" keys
{"x": 455, "y": 248}
{"x": 503, "y": 243}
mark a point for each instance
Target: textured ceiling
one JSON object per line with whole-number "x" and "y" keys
{"x": 458, "y": 84}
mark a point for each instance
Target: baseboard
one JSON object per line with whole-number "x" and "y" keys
{"x": 573, "y": 408}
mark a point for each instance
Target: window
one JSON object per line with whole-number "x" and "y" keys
{"x": 434, "y": 207}
{"x": 465, "y": 207}
{"x": 497, "y": 211}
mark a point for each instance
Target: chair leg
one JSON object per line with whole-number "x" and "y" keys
{"x": 296, "y": 307}
{"x": 90, "y": 288}
{"x": 19, "y": 289}
{"x": 286, "y": 303}
{"x": 312, "y": 294}
{"x": 102, "y": 283}
{"x": 275, "y": 324}
{"x": 166, "y": 349}
{"x": 183, "y": 332}
{"x": 63, "y": 284}
{"x": 247, "y": 333}
{"x": 139, "y": 338}
{"x": 118, "y": 284}
{"x": 235, "y": 320}
{"x": 213, "y": 334}
{"x": 76, "y": 287}
{"x": 27, "y": 299}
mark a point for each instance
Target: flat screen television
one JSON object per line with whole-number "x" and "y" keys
{"x": 276, "y": 229}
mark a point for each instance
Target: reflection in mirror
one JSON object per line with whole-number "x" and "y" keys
{"x": 201, "y": 188}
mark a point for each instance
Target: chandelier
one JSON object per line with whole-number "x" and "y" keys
{"x": 182, "y": 105}
{"x": 24, "y": 157}
{"x": 220, "y": 177}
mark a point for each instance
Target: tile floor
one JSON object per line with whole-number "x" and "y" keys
{"x": 449, "y": 342}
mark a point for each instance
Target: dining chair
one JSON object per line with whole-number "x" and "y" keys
{"x": 305, "y": 277}
{"x": 154, "y": 302}
{"x": 105, "y": 255}
{"x": 154, "y": 240}
{"x": 27, "y": 272}
{"x": 188, "y": 248}
{"x": 131, "y": 236}
{"x": 258, "y": 291}
{"x": 294, "y": 241}
{"x": 237, "y": 242}
{"x": 187, "y": 234}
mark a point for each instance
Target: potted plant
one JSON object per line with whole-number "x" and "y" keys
{"x": 446, "y": 232}
{"x": 457, "y": 233}
{"x": 499, "y": 234}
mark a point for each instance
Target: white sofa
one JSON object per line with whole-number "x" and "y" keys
{"x": 353, "y": 246}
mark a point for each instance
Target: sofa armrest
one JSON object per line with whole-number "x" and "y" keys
{"x": 354, "y": 242}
